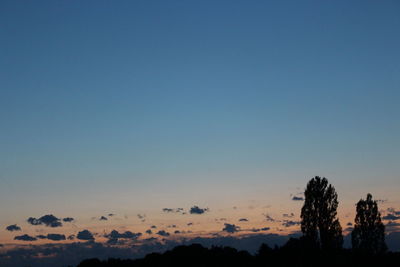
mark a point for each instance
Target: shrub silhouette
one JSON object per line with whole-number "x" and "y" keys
{"x": 318, "y": 215}
{"x": 369, "y": 232}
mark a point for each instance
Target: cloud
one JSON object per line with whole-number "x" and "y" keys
{"x": 260, "y": 229}
{"x": 171, "y": 226}
{"x": 243, "y": 220}
{"x": 103, "y": 218}
{"x": 25, "y": 238}
{"x": 392, "y": 226}
{"x": 393, "y": 210}
{"x": 48, "y": 220}
{"x": 269, "y": 218}
{"x": 153, "y": 227}
{"x": 287, "y": 215}
{"x": 148, "y": 232}
{"x": 68, "y": 219}
{"x": 50, "y": 255}
{"x": 391, "y": 217}
{"x": 177, "y": 232}
{"x": 13, "y": 228}
{"x": 197, "y": 210}
{"x": 296, "y": 198}
{"x": 393, "y": 241}
{"x": 85, "y": 235}
{"x": 55, "y": 237}
{"x": 141, "y": 217}
{"x": 34, "y": 221}
{"x": 177, "y": 210}
{"x": 162, "y": 233}
{"x": 230, "y": 228}
{"x": 288, "y": 223}
{"x": 151, "y": 240}
{"x": 114, "y": 236}
{"x": 168, "y": 210}
{"x": 189, "y": 224}
{"x": 125, "y": 235}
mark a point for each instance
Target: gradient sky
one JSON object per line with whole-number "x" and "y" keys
{"x": 135, "y": 106}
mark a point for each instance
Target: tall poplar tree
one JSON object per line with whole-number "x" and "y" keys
{"x": 319, "y": 222}
{"x": 369, "y": 232}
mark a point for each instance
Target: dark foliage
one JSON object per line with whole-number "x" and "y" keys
{"x": 294, "y": 253}
{"x": 369, "y": 232}
{"x": 193, "y": 255}
{"x": 319, "y": 223}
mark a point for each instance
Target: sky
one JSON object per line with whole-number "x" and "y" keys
{"x": 130, "y": 107}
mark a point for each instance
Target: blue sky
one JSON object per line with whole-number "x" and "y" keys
{"x": 133, "y": 105}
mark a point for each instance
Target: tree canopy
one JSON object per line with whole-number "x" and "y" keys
{"x": 319, "y": 222}
{"x": 369, "y": 232}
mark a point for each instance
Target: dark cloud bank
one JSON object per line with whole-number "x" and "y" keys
{"x": 72, "y": 254}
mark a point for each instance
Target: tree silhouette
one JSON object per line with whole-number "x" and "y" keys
{"x": 369, "y": 232}
{"x": 319, "y": 224}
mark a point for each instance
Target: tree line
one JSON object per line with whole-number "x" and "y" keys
{"x": 321, "y": 243}
{"x": 321, "y": 227}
